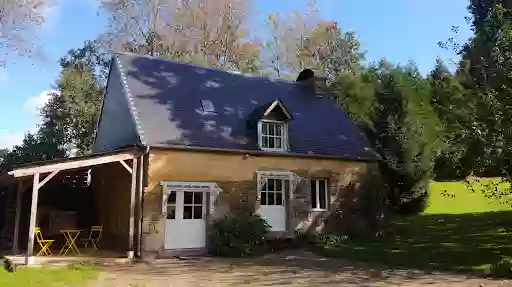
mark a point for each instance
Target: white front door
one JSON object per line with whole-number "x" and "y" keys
{"x": 185, "y": 227}
{"x": 272, "y": 204}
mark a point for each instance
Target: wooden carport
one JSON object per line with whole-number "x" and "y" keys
{"x": 50, "y": 168}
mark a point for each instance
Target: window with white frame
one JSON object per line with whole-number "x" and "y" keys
{"x": 272, "y": 135}
{"x": 319, "y": 194}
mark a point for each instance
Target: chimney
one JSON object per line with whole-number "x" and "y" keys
{"x": 317, "y": 82}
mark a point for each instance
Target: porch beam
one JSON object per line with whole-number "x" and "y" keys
{"x": 129, "y": 169}
{"x": 33, "y": 215}
{"x": 46, "y": 179}
{"x": 19, "y": 198}
{"x": 132, "y": 209}
{"x": 70, "y": 164}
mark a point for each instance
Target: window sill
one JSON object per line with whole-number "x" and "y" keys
{"x": 317, "y": 209}
{"x": 273, "y": 149}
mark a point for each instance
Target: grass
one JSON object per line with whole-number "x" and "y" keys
{"x": 78, "y": 275}
{"x": 459, "y": 198}
{"x": 460, "y": 230}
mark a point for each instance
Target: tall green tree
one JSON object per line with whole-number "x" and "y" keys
{"x": 485, "y": 72}
{"x": 392, "y": 105}
{"x": 34, "y": 147}
{"x": 455, "y": 110}
{"x": 75, "y": 108}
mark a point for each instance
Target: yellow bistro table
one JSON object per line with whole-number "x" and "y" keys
{"x": 70, "y": 235}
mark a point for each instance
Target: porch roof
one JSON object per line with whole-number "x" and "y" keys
{"x": 73, "y": 162}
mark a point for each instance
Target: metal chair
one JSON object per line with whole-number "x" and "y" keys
{"x": 44, "y": 244}
{"x": 94, "y": 237}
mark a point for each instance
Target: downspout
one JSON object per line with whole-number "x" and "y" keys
{"x": 142, "y": 171}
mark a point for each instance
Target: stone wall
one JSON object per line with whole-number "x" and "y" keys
{"x": 236, "y": 175}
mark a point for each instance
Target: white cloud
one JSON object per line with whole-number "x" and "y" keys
{"x": 10, "y": 139}
{"x": 34, "y": 104}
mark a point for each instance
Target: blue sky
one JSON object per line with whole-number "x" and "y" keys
{"x": 400, "y": 30}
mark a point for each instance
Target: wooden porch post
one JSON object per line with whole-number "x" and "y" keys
{"x": 33, "y": 215}
{"x": 132, "y": 209}
{"x": 138, "y": 224}
{"x": 19, "y": 198}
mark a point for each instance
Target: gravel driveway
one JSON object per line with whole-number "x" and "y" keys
{"x": 290, "y": 268}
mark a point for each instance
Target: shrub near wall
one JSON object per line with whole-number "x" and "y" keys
{"x": 238, "y": 236}
{"x": 361, "y": 212}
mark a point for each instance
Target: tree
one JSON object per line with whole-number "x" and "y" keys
{"x": 392, "y": 106}
{"x": 485, "y": 72}
{"x": 211, "y": 33}
{"x": 33, "y": 148}
{"x": 304, "y": 40}
{"x": 455, "y": 110}
{"x": 69, "y": 117}
{"x": 406, "y": 130}
{"x": 74, "y": 110}
{"x": 18, "y": 22}
{"x": 135, "y": 25}
{"x": 356, "y": 95}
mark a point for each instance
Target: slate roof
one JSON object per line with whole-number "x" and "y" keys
{"x": 165, "y": 98}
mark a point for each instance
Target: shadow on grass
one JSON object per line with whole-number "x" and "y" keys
{"x": 436, "y": 242}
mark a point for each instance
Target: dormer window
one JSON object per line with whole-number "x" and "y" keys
{"x": 273, "y": 135}
{"x": 273, "y": 127}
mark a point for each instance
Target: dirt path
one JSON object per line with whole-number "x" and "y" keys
{"x": 284, "y": 269}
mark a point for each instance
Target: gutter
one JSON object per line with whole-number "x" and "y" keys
{"x": 265, "y": 153}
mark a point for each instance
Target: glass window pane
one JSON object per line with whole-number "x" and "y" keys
{"x": 313, "y": 194}
{"x": 271, "y": 142}
{"x": 172, "y": 198}
{"x": 265, "y": 142}
{"x": 279, "y": 198}
{"x": 272, "y": 129}
{"x": 187, "y": 212}
{"x": 171, "y": 212}
{"x": 279, "y": 184}
{"x": 188, "y": 197}
{"x": 279, "y": 143}
{"x": 271, "y": 198}
{"x": 279, "y": 130}
{"x": 322, "y": 193}
{"x": 198, "y": 212}
{"x": 198, "y": 198}
{"x": 263, "y": 198}
{"x": 271, "y": 184}
{"x": 264, "y": 128}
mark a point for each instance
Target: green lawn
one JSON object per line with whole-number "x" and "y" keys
{"x": 46, "y": 277}
{"x": 460, "y": 230}
{"x": 459, "y": 198}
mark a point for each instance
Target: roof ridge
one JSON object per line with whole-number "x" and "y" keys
{"x": 242, "y": 74}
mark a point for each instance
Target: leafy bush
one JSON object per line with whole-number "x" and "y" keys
{"x": 502, "y": 268}
{"x": 362, "y": 211}
{"x": 333, "y": 240}
{"x": 238, "y": 236}
{"x": 307, "y": 238}
{"x": 413, "y": 205}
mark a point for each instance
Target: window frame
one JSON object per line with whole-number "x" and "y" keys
{"x": 284, "y": 136}
{"x": 316, "y": 191}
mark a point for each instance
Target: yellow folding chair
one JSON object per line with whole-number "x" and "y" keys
{"x": 94, "y": 237}
{"x": 44, "y": 244}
